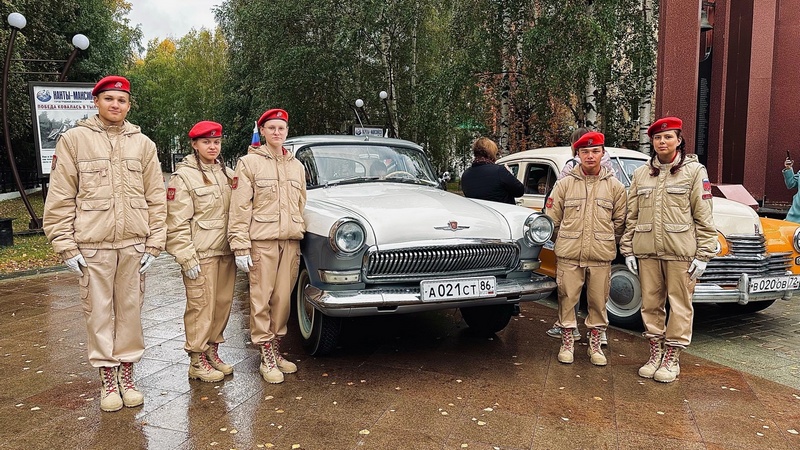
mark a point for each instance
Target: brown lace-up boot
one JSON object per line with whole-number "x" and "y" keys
{"x": 565, "y": 353}
{"x": 212, "y": 355}
{"x": 283, "y": 364}
{"x": 130, "y": 396}
{"x": 269, "y": 367}
{"x": 594, "y": 351}
{"x": 110, "y": 399}
{"x": 670, "y": 366}
{"x": 656, "y": 351}
{"x": 201, "y": 369}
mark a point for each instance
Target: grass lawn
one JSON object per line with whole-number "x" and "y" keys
{"x": 30, "y": 251}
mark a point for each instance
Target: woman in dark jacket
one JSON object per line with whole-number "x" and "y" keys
{"x": 486, "y": 180}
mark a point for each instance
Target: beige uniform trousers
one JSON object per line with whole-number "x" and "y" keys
{"x": 664, "y": 281}
{"x": 272, "y": 277}
{"x": 570, "y": 279}
{"x": 208, "y": 302}
{"x": 112, "y": 294}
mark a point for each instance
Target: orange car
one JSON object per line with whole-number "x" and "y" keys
{"x": 758, "y": 260}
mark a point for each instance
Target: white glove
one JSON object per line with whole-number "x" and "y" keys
{"x": 193, "y": 272}
{"x": 75, "y": 264}
{"x": 630, "y": 261}
{"x": 697, "y": 268}
{"x": 147, "y": 260}
{"x": 244, "y": 263}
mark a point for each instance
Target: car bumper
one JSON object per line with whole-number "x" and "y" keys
{"x": 371, "y": 302}
{"x": 712, "y": 293}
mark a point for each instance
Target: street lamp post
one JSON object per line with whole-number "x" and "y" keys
{"x": 17, "y": 22}
{"x": 385, "y": 97}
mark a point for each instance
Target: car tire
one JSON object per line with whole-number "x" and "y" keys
{"x": 750, "y": 308}
{"x": 624, "y": 304}
{"x": 319, "y": 333}
{"x": 489, "y": 319}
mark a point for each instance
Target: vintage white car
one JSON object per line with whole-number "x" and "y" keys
{"x": 757, "y": 263}
{"x": 384, "y": 238}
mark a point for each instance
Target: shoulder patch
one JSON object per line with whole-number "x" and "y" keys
{"x": 706, "y": 185}
{"x": 235, "y": 182}
{"x": 53, "y": 164}
{"x": 707, "y": 196}
{"x": 549, "y": 203}
{"x": 171, "y": 194}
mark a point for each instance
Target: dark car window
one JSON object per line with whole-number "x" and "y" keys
{"x": 539, "y": 179}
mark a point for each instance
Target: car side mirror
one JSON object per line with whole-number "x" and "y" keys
{"x": 444, "y": 179}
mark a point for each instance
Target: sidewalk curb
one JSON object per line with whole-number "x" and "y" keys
{"x": 32, "y": 272}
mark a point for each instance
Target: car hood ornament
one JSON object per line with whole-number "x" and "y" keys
{"x": 452, "y": 226}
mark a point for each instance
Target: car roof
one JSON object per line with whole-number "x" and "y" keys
{"x": 562, "y": 154}
{"x": 348, "y": 139}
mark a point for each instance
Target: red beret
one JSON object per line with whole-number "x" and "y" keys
{"x": 664, "y": 124}
{"x": 112, "y": 83}
{"x": 590, "y": 139}
{"x": 273, "y": 114}
{"x": 205, "y": 129}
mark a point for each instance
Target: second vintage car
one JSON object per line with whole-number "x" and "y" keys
{"x": 383, "y": 238}
{"x": 757, "y": 263}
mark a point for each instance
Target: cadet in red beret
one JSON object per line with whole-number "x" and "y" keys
{"x": 264, "y": 229}
{"x": 199, "y": 192}
{"x": 586, "y": 235}
{"x": 110, "y": 247}
{"x": 669, "y": 238}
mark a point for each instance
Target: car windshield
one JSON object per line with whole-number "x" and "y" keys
{"x": 330, "y": 164}
{"x": 624, "y": 167}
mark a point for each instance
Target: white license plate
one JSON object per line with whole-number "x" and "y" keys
{"x": 768, "y": 284}
{"x": 457, "y": 288}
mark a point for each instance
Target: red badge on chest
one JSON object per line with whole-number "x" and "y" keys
{"x": 171, "y": 194}
{"x": 235, "y": 182}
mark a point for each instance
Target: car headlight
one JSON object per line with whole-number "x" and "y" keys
{"x": 347, "y": 236}
{"x": 796, "y": 240}
{"x": 537, "y": 229}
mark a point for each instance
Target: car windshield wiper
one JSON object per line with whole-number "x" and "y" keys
{"x": 350, "y": 181}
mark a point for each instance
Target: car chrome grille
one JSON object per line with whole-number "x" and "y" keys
{"x": 748, "y": 254}
{"x": 418, "y": 263}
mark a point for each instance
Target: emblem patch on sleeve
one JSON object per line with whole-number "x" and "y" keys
{"x": 235, "y": 182}
{"x": 53, "y": 164}
{"x": 171, "y": 194}
{"x": 707, "y": 196}
{"x": 549, "y": 203}
{"x": 706, "y": 185}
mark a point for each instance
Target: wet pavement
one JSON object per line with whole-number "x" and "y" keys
{"x": 416, "y": 381}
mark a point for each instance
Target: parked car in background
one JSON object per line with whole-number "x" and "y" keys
{"x": 757, "y": 263}
{"x": 383, "y": 238}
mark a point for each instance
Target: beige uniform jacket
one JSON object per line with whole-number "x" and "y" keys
{"x": 267, "y": 200}
{"x": 670, "y": 217}
{"x": 106, "y": 190}
{"x": 197, "y": 213}
{"x": 589, "y": 217}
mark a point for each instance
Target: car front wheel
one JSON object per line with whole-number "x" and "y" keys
{"x": 320, "y": 333}
{"x": 488, "y": 319}
{"x": 624, "y": 304}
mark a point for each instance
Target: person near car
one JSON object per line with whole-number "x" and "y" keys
{"x": 669, "y": 238}
{"x": 105, "y": 215}
{"x": 264, "y": 230}
{"x": 588, "y": 211}
{"x": 555, "y": 330}
{"x": 486, "y": 180}
{"x": 791, "y": 179}
{"x": 198, "y": 198}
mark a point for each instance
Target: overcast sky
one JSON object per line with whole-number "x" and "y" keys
{"x": 164, "y": 18}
